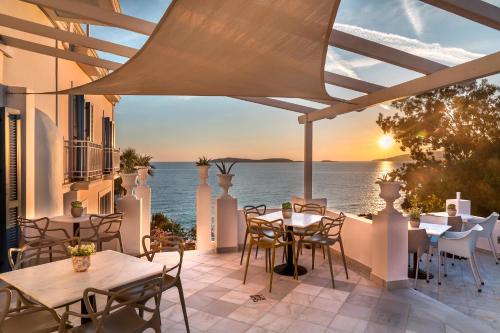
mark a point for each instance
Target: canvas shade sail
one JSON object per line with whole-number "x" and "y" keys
{"x": 253, "y": 48}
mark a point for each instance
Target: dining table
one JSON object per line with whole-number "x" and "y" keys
{"x": 432, "y": 230}
{"x": 74, "y": 221}
{"x": 298, "y": 220}
{"x": 56, "y": 284}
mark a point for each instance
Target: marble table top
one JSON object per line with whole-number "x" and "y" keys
{"x": 298, "y": 220}
{"x": 56, "y": 284}
{"x": 70, "y": 219}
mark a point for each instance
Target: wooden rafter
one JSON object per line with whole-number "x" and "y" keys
{"x": 474, "y": 69}
{"x": 278, "y": 104}
{"x": 475, "y": 10}
{"x": 351, "y": 83}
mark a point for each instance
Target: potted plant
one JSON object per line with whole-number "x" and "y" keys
{"x": 76, "y": 208}
{"x": 225, "y": 177}
{"x": 451, "y": 209}
{"x": 80, "y": 256}
{"x": 389, "y": 187}
{"x": 286, "y": 210}
{"x": 203, "y": 164}
{"x": 414, "y": 214}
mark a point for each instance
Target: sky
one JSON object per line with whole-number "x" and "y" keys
{"x": 182, "y": 128}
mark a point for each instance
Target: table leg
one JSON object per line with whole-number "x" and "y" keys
{"x": 84, "y": 308}
{"x": 288, "y": 268}
{"x": 422, "y": 275}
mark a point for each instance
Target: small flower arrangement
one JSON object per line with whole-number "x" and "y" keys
{"x": 451, "y": 209}
{"x": 386, "y": 178}
{"x": 76, "y": 204}
{"x": 286, "y": 205}
{"x": 286, "y": 210}
{"x": 203, "y": 161}
{"x": 76, "y": 208}
{"x": 414, "y": 214}
{"x": 82, "y": 250}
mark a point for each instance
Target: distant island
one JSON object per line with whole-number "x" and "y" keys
{"x": 328, "y": 161}
{"x": 407, "y": 158}
{"x": 249, "y": 160}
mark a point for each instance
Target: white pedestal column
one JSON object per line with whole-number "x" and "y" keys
{"x": 390, "y": 242}
{"x": 131, "y": 207}
{"x": 143, "y": 191}
{"x": 226, "y": 218}
{"x": 204, "y": 212}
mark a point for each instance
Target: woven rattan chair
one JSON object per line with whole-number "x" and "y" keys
{"x": 37, "y": 232}
{"x": 121, "y": 317}
{"x": 102, "y": 229}
{"x": 249, "y": 212}
{"x": 259, "y": 231}
{"x": 309, "y": 208}
{"x": 328, "y": 235}
{"x": 26, "y": 317}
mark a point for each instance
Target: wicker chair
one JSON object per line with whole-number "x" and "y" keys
{"x": 329, "y": 234}
{"x": 121, "y": 317}
{"x": 102, "y": 229}
{"x": 26, "y": 317}
{"x": 249, "y": 212}
{"x": 259, "y": 231}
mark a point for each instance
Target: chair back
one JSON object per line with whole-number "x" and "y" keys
{"x": 169, "y": 243}
{"x": 311, "y": 208}
{"x": 488, "y": 224}
{"x": 32, "y": 229}
{"x": 332, "y": 227}
{"x": 28, "y": 255}
{"x": 455, "y": 222}
{"x": 259, "y": 229}
{"x": 418, "y": 241}
{"x": 5, "y": 299}
{"x": 253, "y": 211}
{"x": 108, "y": 224}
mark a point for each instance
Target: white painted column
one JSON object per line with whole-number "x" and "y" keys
{"x": 204, "y": 212}
{"x": 143, "y": 191}
{"x": 308, "y": 156}
{"x": 226, "y": 218}
{"x": 131, "y": 207}
{"x": 390, "y": 241}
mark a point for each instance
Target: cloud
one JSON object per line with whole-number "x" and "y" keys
{"x": 413, "y": 14}
{"x": 335, "y": 63}
{"x": 433, "y": 51}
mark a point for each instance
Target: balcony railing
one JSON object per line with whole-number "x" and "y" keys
{"x": 111, "y": 160}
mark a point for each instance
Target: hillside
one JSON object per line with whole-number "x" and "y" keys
{"x": 407, "y": 158}
{"x": 249, "y": 160}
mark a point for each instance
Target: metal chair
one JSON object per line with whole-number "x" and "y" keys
{"x": 328, "y": 235}
{"x": 251, "y": 211}
{"x": 488, "y": 225}
{"x": 462, "y": 244}
{"x": 29, "y": 255}
{"x": 419, "y": 243}
{"x": 259, "y": 231}
{"x": 102, "y": 229}
{"x": 121, "y": 317}
{"x": 309, "y": 208}
{"x": 26, "y": 317}
{"x": 36, "y": 232}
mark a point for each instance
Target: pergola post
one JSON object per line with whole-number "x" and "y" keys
{"x": 308, "y": 155}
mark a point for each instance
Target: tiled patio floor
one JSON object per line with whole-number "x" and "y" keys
{"x": 217, "y": 301}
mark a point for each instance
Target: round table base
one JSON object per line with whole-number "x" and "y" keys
{"x": 287, "y": 270}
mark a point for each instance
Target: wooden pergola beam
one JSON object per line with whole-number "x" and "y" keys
{"x": 66, "y": 36}
{"x": 278, "y": 104}
{"x": 474, "y": 10}
{"x": 471, "y": 70}
{"x": 383, "y": 53}
{"x": 94, "y": 13}
{"x": 53, "y": 52}
{"x": 351, "y": 83}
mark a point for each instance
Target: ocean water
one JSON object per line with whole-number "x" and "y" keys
{"x": 348, "y": 186}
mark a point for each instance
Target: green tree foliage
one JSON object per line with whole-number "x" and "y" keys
{"x": 162, "y": 222}
{"x": 462, "y": 123}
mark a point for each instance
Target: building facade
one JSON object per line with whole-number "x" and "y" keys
{"x": 55, "y": 148}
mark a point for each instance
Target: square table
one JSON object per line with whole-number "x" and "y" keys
{"x": 75, "y": 221}
{"x": 55, "y": 284}
{"x": 298, "y": 220}
{"x": 465, "y": 217}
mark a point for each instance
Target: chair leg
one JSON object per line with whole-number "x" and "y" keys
{"x": 256, "y": 251}
{"x": 427, "y": 265}
{"x": 477, "y": 268}
{"x": 50, "y": 253}
{"x": 273, "y": 257}
{"x": 183, "y": 304}
{"x": 439, "y": 267}
{"x": 295, "y": 263}
{"x": 328, "y": 252}
{"x": 324, "y": 253}
{"x": 493, "y": 250}
{"x": 471, "y": 263}
{"x": 313, "y": 251}
{"x": 265, "y": 258}
{"x": 269, "y": 257}
{"x": 244, "y": 245}
{"x": 248, "y": 260}
{"x": 416, "y": 271}
{"x": 301, "y": 238}
{"x": 120, "y": 243}
{"x": 343, "y": 257}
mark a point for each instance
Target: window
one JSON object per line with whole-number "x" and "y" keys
{"x": 105, "y": 203}
{"x": 82, "y": 119}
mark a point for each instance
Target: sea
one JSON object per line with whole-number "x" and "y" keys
{"x": 348, "y": 186}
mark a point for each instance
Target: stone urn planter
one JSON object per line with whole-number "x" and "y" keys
{"x": 225, "y": 184}
{"x": 129, "y": 181}
{"x": 143, "y": 174}
{"x": 80, "y": 263}
{"x": 287, "y": 213}
{"x": 415, "y": 223}
{"x": 203, "y": 173}
{"x": 389, "y": 191}
{"x": 76, "y": 211}
{"x": 451, "y": 210}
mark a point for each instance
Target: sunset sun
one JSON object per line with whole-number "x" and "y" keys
{"x": 386, "y": 141}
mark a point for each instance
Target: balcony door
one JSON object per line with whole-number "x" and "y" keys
{"x": 10, "y": 196}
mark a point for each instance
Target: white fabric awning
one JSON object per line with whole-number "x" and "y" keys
{"x": 252, "y": 48}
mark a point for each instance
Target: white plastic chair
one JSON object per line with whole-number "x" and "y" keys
{"x": 488, "y": 224}
{"x": 418, "y": 242}
{"x": 461, "y": 244}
